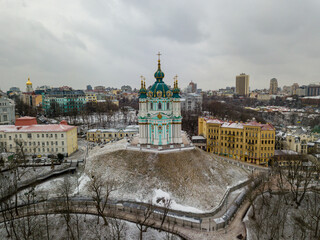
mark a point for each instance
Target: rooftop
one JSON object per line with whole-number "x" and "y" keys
{"x": 239, "y": 125}
{"x": 36, "y": 128}
{"x": 29, "y": 124}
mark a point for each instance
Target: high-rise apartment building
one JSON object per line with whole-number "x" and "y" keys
{"x": 242, "y": 84}
{"x": 314, "y": 90}
{"x": 273, "y": 86}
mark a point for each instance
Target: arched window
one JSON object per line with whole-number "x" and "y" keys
{"x": 159, "y": 106}
{"x": 168, "y": 106}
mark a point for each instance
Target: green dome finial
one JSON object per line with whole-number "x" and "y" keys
{"x": 159, "y": 75}
{"x": 143, "y": 90}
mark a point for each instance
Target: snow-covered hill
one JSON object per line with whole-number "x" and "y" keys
{"x": 191, "y": 178}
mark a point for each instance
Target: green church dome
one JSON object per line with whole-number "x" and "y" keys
{"x": 159, "y": 74}
{"x": 159, "y": 88}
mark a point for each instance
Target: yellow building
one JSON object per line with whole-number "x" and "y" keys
{"x": 38, "y": 139}
{"x": 32, "y": 99}
{"x": 106, "y": 135}
{"x": 91, "y": 97}
{"x": 248, "y": 142}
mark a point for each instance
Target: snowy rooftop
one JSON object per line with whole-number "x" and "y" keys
{"x": 239, "y": 125}
{"x": 232, "y": 125}
{"x": 36, "y": 128}
{"x": 198, "y": 138}
{"x": 131, "y": 128}
{"x": 284, "y": 152}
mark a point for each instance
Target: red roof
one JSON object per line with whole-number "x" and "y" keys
{"x": 62, "y": 127}
{"x": 26, "y": 121}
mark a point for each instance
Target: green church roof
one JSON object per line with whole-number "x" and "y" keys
{"x": 159, "y": 88}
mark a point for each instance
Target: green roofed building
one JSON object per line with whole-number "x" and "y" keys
{"x": 159, "y": 112}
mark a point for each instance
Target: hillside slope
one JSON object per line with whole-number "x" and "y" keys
{"x": 192, "y": 178}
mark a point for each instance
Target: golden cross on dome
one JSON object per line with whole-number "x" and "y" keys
{"x": 159, "y": 54}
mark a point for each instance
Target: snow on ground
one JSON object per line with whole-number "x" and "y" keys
{"x": 193, "y": 179}
{"x": 83, "y": 182}
{"x": 87, "y": 226}
{"x": 49, "y": 189}
{"x": 107, "y": 148}
{"x": 160, "y": 198}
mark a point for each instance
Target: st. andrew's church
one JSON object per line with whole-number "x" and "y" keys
{"x": 159, "y": 112}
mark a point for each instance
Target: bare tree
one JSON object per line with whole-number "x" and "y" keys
{"x": 296, "y": 177}
{"x": 144, "y": 222}
{"x": 118, "y": 229}
{"x": 100, "y": 191}
{"x": 308, "y": 218}
{"x": 65, "y": 193}
{"x": 166, "y": 204}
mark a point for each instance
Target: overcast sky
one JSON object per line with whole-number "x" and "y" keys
{"x": 112, "y": 43}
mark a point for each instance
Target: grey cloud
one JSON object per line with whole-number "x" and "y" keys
{"x": 114, "y": 42}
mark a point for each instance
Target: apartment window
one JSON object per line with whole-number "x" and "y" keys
{"x": 39, "y": 150}
{"x": 56, "y": 149}
{"x": 38, "y": 135}
{"x": 62, "y": 142}
{"x": 43, "y": 135}
{"x": 9, "y": 137}
{"x": 48, "y": 150}
{"x": 62, "y": 149}
{"x": 62, "y": 135}
{"x": 51, "y": 135}
{"x": 56, "y": 142}
{"x": 56, "y": 135}
{"x": 20, "y": 136}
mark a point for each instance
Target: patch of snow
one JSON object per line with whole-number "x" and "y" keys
{"x": 82, "y": 181}
{"x": 161, "y": 197}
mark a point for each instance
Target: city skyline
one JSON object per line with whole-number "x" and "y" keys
{"x": 113, "y": 43}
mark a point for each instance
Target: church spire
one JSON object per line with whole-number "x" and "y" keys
{"x": 159, "y": 75}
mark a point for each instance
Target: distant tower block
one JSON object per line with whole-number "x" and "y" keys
{"x": 242, "y": 84}
{"x": 29, "y": 86}
{"x": 273, "y": 86}
{"x": 159, "y": 112}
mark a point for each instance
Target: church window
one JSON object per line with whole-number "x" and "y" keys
{"x": 159, "y": 106}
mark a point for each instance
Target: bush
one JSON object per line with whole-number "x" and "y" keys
{"x": 60, "y": 156}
